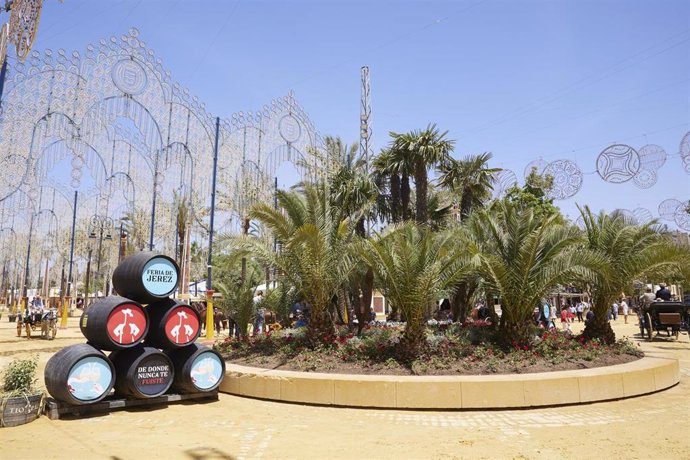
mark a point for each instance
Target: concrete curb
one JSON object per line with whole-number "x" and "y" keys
{"x": 655, "y": 372}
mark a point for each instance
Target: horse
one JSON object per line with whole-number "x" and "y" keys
{"x": 220, "y": 319}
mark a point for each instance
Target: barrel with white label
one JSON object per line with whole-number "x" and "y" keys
{"x": 79, "y": 374}
{"x": 142, "y": 372}
{"x": 173, "y": 324}
{"x": 198, "y": 369}
{"x": 146, "y": 277}
{"x": 114, "y": 323}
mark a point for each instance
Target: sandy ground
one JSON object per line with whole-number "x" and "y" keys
{"x": 653, "y": 426}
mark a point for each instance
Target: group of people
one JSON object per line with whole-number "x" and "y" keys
{"x": 547, "y": 315}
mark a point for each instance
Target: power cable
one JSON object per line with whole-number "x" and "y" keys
{"x": 582, "y": 83}
{"x": 196, "y": 67}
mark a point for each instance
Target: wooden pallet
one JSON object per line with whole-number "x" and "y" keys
{"x": 55, "y": 409}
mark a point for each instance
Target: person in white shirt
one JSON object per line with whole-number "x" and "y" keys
{"x": 624, "y": 306}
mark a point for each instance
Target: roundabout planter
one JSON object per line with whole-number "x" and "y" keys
{"x": 646, "y": 375}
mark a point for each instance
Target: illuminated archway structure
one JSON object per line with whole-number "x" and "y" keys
{"x": 111, "y": 123}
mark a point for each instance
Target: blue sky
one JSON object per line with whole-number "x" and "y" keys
{"x": 521, "y": 79}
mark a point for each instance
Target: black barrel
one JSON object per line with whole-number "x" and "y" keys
{"x": 197, "y": 369}
{"x": 142, "y": 372}
{"x": 146, "y": 277}
{"x": 79, "y": 374}
{"x": 114, "y": 323}
{"x": 173, "y": 324}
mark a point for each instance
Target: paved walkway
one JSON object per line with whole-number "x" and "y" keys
{"x": 653, "y": 426}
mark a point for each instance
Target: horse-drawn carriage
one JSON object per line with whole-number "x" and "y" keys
{"x": 46, "y": 322}
{"x": 671, "y": 317}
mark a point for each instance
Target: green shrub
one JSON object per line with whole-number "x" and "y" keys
{"x": 19, "y": 377}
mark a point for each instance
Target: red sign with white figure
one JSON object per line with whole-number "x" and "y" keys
{"x": 182, "y": 325}
{"x": 126, "y": 323}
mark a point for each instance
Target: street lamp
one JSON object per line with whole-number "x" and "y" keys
{"x": 101, "y": 228}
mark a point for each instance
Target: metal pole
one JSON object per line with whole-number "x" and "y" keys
{"x": 153, "y": 204}
{"x": 209, "y": 278}
{"x": 67, "y": 300}
{"x": 26, "y": 267}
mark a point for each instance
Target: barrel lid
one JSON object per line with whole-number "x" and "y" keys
{"x": 154, "y": 374}
{"x": 127, "y": 324}
{"x": 159, "y": 276}
{"x": 207, "y": 370}
{"x": 90, "y": 378}
{"x": 182, "y": 325}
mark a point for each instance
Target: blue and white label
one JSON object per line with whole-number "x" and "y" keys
{"x": 89, "y": 378}
{"x": 159, "y": 277}
{"x": 207, "y": 371}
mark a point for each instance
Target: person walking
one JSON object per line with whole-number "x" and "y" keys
{"x": 624, "y": 306}
{"x": 565, "y": 319}
{"x": 260, "y": 313}
{"x": 580, "y": 310}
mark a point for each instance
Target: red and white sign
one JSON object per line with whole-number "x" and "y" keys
{"x": 126, "y": 324}
{"x": 182, "y": 325}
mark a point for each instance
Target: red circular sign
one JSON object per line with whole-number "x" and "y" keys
{"x": 182, "y": 325}
{"x": 127, "y": 324}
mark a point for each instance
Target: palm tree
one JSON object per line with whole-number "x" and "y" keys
{"x": 471, "y": 178}
{"x": 412, "y": 265}
{"x": 421, "y": 150}
{"x": 522, "y": 258}
{"x": 316, "y": 247}
{"x": 136, "y": 224}
{"x": 628, "y": 252}
{"x": 353, "y": 192}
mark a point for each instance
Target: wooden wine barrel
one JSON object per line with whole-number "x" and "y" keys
{"x": 197, "y": 369}
{"x": 19, "y": 410}
{"x": 79, "y": 374}
{"x": 146, "y": 277}
{"x": 142, "y": 372}
{"x": 173, "y": 324}
{"x": 114, "y": 323}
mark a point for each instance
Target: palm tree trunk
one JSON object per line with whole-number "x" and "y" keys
{"x": 421, "y": 186}
{"x": 405, "y": 196}
{"x": 320, "y": 324}
{"x": 460, "y": 302}
{"x": 413, "y": 339}
{"x": 395, "y": 198}
{"x": 599, "y": 327}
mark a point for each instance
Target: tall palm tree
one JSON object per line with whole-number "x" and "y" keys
{"x": 316, "y": 248}
{"x": 412, "y": 265}
{"x": 628, "y": 252}
{"x": 422, "y": 149}
{"x": 522, "y": 258}
{"x": 353, "y": 192}
{"x": 471, "y": 178}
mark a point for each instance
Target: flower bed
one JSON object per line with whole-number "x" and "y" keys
{"x": 450, "y": 349}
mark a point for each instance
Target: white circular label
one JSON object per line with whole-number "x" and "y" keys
{"x": 159, "y": 277}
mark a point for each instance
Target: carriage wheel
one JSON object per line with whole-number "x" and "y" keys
{"x": 648, "y": 317}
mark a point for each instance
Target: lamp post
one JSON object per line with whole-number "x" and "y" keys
{"x": 101, "y": 227}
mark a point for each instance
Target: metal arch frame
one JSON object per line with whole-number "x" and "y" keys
{"x": 165, "y": 115}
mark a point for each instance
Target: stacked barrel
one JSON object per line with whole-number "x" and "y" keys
{"x": 152, "y": 347}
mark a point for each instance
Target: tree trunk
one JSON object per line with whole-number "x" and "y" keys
{"x": 460, "y": 302}
{"x": 413, "y": 340}
{"x": 421, "y": 186}
{"x": 320, "y": 324}
{"x": 519, "y": 334}
{"x": 599, "y": 327}
{"x": 405, "y": 197}
{"x": 395, "y": 198}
